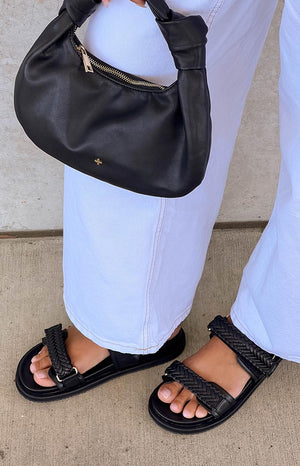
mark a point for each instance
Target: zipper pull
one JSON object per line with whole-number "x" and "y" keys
{"x": 85, "y": 58}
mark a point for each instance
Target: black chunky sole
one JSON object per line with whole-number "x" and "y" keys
{"x": 177, "y": 423}
{"x": 102, "y": 372}
{"x": 219, "y": 403}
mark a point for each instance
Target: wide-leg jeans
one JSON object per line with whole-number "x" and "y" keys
{"x": 132, "y": 262}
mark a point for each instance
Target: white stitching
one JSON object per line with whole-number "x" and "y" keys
{"x": 106, "y": 343}
{"x": 154, "y": 255}
{"x": 213, "y": 12}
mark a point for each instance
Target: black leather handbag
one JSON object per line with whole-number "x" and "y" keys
{"x": 113, "y": 125}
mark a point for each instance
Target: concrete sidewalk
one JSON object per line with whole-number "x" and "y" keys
{"x": 110, "y": 425}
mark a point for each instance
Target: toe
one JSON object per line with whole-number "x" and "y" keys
{"x": 41, "y": 364}
{"x": 190, "y": 408}
{"x": 42, "y": 378}
{"x": 40, "y": 354}
{"x": 168, "y": 391}
{"x": 178, "y": 404}
{"x": 201, "y": 412}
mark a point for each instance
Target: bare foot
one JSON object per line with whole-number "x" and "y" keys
{"x": 214, "y": 362}
{"x": 83, "y": 352}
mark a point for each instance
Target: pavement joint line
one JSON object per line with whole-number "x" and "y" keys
{"x": 238, "y": 225}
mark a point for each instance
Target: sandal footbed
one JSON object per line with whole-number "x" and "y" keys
{"x": 98, "y": 374}
{"x": 177, "y": 423}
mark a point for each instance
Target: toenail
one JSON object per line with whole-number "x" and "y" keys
{"x": 34, "y": 358}
{"x": 32, "y": 367}
{"x": 41, "y": 374}
{"x": 165, "y": 392}
{"x": 200, "y": 413}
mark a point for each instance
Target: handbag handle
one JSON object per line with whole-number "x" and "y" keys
{"x": 80, "y": 10}
{"x": 185, "y": 35}
{"x": 160, "y": 9}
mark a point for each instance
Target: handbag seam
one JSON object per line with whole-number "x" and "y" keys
{"x": 157, "y": 236}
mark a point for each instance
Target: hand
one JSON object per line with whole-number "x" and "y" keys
{"x": 138, "y": 2}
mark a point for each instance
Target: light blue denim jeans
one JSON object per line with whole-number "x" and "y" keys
{"x": 132, "y": 262}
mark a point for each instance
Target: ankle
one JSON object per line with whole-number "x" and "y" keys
{"x": 176, "y": 331}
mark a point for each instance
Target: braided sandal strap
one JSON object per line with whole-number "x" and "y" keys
{"x": 262, "y": 361}
{"x": 62, "y": 372}
{"x": 210, "y": 395}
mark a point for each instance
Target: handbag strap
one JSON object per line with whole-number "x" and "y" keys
{"x": 185, "y": 35}
{"x": 160, "y": 9}
{"x": 80, "y": 10}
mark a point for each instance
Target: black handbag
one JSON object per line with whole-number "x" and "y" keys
{"x": 113, "y": 125}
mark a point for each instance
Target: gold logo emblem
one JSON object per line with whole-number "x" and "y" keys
{"x": 98, "y": 161}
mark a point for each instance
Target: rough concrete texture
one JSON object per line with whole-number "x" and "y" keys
{"x": 110, "y": 425}
{"x": 32, "y": 189}
{"x": 253, "y": 174}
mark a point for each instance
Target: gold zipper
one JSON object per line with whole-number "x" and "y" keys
{"x": 85, "y": 58}
{"x": 88, "y": 61}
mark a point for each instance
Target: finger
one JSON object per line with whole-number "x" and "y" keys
{"x": 139, "y": 3}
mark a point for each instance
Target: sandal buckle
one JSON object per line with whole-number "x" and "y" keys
{"x": 67, "y": 376}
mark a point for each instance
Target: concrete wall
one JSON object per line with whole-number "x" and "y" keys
{"x": 31, "y": 187}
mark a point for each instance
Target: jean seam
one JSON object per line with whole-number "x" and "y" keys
{"x": 213, "y": 12}
{"x": 157, "y": 235}
{"x": 106, "y": 343}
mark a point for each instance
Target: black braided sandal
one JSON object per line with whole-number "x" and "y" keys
{"x": 218, "y": 402}
{"x": 69, "y": 381}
